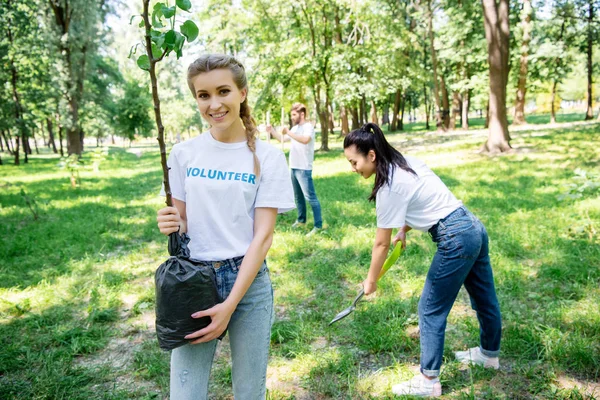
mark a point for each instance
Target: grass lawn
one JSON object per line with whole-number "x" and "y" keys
{"x": 76, "y": 287}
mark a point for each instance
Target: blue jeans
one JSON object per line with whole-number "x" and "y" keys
{"x": 304, "y": 188}
{"x": 249, "y": 336}
{"x": 461, "y": 258}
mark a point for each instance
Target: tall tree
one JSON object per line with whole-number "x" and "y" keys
{"x": 590, "y": 37}
{"x": 497, "y": 31}
{"x": 519, "y": 118}
{"x": 75, "y": 23}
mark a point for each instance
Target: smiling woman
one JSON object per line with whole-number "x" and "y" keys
{"x": 227, "y": 188}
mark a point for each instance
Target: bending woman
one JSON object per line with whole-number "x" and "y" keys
{"x": 227, "y": 188}
{"x": 409, "y": 196}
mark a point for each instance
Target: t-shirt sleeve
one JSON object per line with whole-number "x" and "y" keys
{"x": 275, "y": 189}
{"x": 391, "y": 208}
{"x": 176, "y": 177}
{"x": 310, "y": 131}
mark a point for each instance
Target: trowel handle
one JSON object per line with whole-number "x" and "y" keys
{"x": 359, "y": 296}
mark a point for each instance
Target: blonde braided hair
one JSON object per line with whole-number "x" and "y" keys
{"x": 209, "y": 62}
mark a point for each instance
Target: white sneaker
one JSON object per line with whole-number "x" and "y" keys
{"x": 419, "y": 386}
{"x": 475, "y": 356}
{"x": 298, "y": 224}
{"x": 314, "y": 231}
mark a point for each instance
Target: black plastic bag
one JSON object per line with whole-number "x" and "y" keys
{"x": 183, "y": 287}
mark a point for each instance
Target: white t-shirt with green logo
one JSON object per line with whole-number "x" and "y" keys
{"x": 217, "y": 182}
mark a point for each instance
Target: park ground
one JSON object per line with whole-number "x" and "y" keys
{"x": 76, "y": 287}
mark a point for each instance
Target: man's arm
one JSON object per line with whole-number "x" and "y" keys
{"x": 299, "y": 138}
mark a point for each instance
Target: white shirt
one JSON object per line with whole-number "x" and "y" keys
{"x": 216, "y": 180}
{"x": 302, "y": 155}
{"x": 417, "y": 201}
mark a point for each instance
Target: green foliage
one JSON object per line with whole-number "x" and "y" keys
{"x": 165, "y": 41}
{"x": 583, "y": 182}
{"x": 133, "y": 111}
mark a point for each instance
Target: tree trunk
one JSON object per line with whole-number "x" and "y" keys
{"x": 355, "y": 118}
{"x": 7, "y": 142}
{"x": 455, "y": 109}
{"x": 519, "y": 118}
{"x": 331, "y": 122}
{"x": 20, "y": 124}
{"x": 60, "y": 140}
{"x": 589, "y": 114}
{"x": 17, "y": 161}
{"x": 396, "y": 110}
{"x": 34, "y": 143}
{"x": 426, "y": 102}
{"x": 1, "y": 142}
{"x": 402, "y": 107}
{"x": 51, "y": 141}
{"x": 374, "y": 118}
{"x": 385, "y": 117}
{"x": 45, "y": 143}
{"x": 445, "y": 103}
{"x": 436, "y": 86}
{"x": 344, "y": 119}
{"x": 466, "y": 102}
{"x": 552, "y": 97}
{"x": 363, "y": 110}
{"x": 495, "y": 16}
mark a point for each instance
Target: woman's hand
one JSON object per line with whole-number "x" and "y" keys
{"x": 169, "y": 220}
{"x": 369, "y": 286}
{"x": 401, "y": 236}
{"x": 219, "y": 315}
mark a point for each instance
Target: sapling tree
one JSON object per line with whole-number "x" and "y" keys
{"x": 161, "y": 39}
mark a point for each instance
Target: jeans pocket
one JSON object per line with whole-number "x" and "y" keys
{"x": 457, "y": 226}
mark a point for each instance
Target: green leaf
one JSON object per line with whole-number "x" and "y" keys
{"x": 133, "y": 50}
{"x": 158, "y": 38}
{"x": 156, "y": 51}
{"x": 168, "y": 12}
{"x": 185, "y": 5}
{"x": 179, "y": 41}
{"x": 156, "y": 19}
{"x": 189, "y": 30}
{"x": 170, "y": 37}
{"x": 143, "y": 62}
{"x": 141, "y": 24}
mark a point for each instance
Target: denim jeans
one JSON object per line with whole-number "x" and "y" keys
{"x": 249, "y": 336}
{"x": 304, "y": 189}
{"x": 461, "y": 258}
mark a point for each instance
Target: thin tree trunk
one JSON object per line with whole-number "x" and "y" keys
{"x": 51, "y": 141}
{"x": 16, "y": 153}
{"x": 402, "y": 107}
{"x": 465, "y": 110}
{"x": 552, "y": 97}
{"x": 486, "y": 124}
{"x": 427, "y": 127}
{"x": 344, "y": 120}
{"x": 589, "y": 114}
{"x": 45, "y": 143}
{"x": 519, "y": 117}
{"x": 60, "y": 140}
{"x": 7, "y": 142}
{"x": 156, "y": 101}
{"x": 35, "y": 143}
{"x": 445, "y": 102}
{"x": 385, "y": 117}
{"x": 497, "y": 32}
{"x": 397, "y": 98}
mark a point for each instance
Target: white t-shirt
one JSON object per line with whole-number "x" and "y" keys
{"x": 216, "y": 180}
{"x": 302, "y": 155}
{"x": 417, "y": 201}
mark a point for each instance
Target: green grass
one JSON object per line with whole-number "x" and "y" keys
{"x": 76, "y": 294}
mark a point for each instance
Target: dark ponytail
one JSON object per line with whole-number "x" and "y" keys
{"x": 370, "y": 137}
